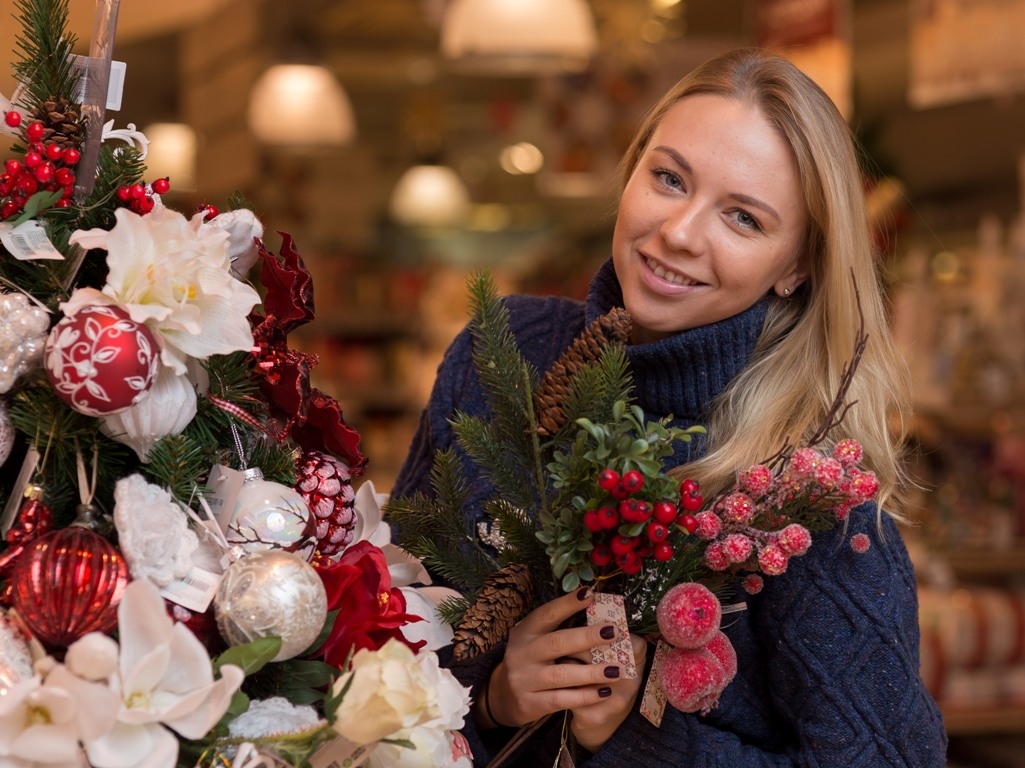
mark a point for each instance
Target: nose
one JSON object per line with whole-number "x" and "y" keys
{"x": 683, "y": 224}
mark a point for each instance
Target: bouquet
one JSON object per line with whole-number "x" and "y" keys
{"x": 188, "y": 575}
{"x": 571, "y": 448}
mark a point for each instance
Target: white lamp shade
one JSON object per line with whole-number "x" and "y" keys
{"x": 172, "y": 154}
{"x": 518, "y": 37}
{"x": 429, "y": 196}
{"x": 300, "y": 105}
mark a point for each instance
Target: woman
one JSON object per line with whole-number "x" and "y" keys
{"x": 741, "y": 250}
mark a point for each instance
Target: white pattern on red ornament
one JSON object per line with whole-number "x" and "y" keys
{"x": 100, "y": 361}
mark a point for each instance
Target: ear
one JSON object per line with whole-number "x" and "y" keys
{"x": 789, "y": 282}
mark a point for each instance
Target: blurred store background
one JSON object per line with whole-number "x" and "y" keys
{"x": 441, "y": 139}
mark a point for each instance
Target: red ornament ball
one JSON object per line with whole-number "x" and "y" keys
{"x": 688, "y": 615}
{"x": 692, "y": 679}
{"x": 325, "y": 484}
{"x": 99, "y": 361}
{"x": 68, "y": 583}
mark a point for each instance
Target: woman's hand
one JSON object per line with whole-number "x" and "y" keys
{"x": 594, "y": 724}
{"x": 542, "y": 671}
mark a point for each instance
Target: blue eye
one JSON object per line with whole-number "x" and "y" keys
{"x": 667, "y": 178}
{"x": 746, "y": 221}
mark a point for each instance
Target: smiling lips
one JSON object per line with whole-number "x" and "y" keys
{"x": 668, "y": 275}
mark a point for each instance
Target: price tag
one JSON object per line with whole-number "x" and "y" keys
{"x": 29, "y": 242}
{"x": 195, "y": 590}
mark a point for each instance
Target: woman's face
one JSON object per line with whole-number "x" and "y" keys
{"x": 711, "y": 219}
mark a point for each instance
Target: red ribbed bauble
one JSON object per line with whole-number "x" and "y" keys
{"x": 68, "y": 583}
{"x": 100, "y": 361}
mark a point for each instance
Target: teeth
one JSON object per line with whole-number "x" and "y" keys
{"x": 672, "y": 277}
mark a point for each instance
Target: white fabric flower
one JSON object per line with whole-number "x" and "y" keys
{"x": 174, "y": 275}
{"x": 166, "y": 410}
{"x": 393, "y": 691}
{"x": 153, "y": 532}
{"x": 431, "y": 749}
{"x": 166, "y": 681}
{"x": 243, "y": 229}
{"x": 273, "y": 717}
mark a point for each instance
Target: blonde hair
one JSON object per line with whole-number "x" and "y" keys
{"x": 782, "y": 397}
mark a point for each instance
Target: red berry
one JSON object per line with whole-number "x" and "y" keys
{"x": 26, "y": 184}
{"x": 663, "y": 551}
{"x": 619, "y": 491}
{"x": 35, "y": 131}
{"x": 609, "y": 518}
{"x": 665, "y": 512}
{"x": 691, "y": 501}
{"x": 688, "y": 522}
{"x": 13, "y": 167}
{"x": 53, "y": 152}
{"x": 9, "y": 209}
{"x": 160, "y": 186}
{"x": 69, "y": 190}
{"x": 12, "y": 118}
{"x": 6, "y": 185}
{"x": 629, "y": 510}
{"x": 32, "y": 158}
{"x": 620, "y": 545}
{"x": 657, "y": 532}
{"x": 137, "y": 191}
{"x": 601, "y": 555}
{"x": 629, "y": 562}
{"x": 592, "y": 521}
{"x": 208, "y": 211}
{"x": 71, "y": 156}
{"x": 64, "y": 176}
{"x": 607, "y": 479}
{"x": 44, "y": 172}
{"x": 124, "y": 193}
{"x": 688, "y": 486}
{"x": 64, "y": 202}
{"x": 633, "y": 481}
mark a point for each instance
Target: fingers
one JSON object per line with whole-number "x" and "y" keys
{"x": 550, "y": 616}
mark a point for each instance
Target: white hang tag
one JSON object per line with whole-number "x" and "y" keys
{"x": 225, "y": 484}
{"x": 29, "y": 242}
{"x": 89, "y": 81}
{"x": 195, "y": 590}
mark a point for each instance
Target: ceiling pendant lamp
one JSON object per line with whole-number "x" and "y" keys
{"x": 300, "y": 105}
{"x": 518, "y": 37}
{"x": 429, "y": 195}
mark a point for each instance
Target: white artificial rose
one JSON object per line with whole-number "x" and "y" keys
{"x": 153, "y": 532}
{"x": 174, "y": 275}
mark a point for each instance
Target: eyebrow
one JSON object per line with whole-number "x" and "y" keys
{"x": 739, "y": 197}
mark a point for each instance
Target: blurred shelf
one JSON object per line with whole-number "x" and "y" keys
{"x": 980, "y": 563}
{"x": 983, "y": 720}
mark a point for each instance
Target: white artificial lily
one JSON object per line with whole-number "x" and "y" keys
{"x": 39, "y": 726}
{"x": 165, "y": 681}
{"x": 174, "y": 275}
{"x": 405, "y": 571}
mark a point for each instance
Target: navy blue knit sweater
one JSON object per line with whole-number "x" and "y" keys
{"x": 827, "y": 652}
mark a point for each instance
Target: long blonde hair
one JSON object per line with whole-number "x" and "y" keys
{"x": 784, "y": 394}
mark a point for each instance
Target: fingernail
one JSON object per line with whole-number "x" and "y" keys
{"x": 604, "y": 692}
{"x": 608, "y": 632}
{"x": 583, "y": 592}
{"x": 612, "y": 672}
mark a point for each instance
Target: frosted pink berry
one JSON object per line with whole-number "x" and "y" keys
{"x": 715, "y": 557}
{"x": 828, "y": 472}
{"x": 753, "y": 583}
{"x": 864, "y": 485}
{"x": 738, "y": 508}
{"x": 688, "y": 615}
{"x": 848, "y": 452}
{"x": 860, "y": 543}
{"x": 772, "y": 560}
{"x": 756, "y": 480}
{"x": 708, "y": 526}
{"x": 692, "y": 678}
{"x": 804, "y": 461}
{"x": 721, "y": 647}
{"x": 843, "y": 510}
{"x": 794, "y": 540}
{"x": 737, "y": 547}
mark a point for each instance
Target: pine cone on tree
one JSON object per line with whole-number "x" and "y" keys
{"x": 62, "y": 123}
{"x": 612, "y": 328}
{"x": 504, "y": 599}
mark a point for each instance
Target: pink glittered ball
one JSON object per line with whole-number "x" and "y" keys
{"x": 688, "y": 615}
{"x": 99, "y": 361}
{"x": 721, "y": 647}
{"x": 692, "y": 679}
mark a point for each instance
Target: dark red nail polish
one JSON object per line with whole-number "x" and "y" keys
{"x": 612, "y": 672}
{"x": 604, "y": 692}
{"x": 608, "y": 632}
{"x": 583, "y": 592}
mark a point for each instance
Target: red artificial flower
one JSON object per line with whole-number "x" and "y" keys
{"x": 370, "y": 610}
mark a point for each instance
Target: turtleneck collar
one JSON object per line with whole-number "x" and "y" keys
{"x": 682, "y": 374}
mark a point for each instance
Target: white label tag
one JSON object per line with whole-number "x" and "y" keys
{"x": 225, "y": 484}
{"x": 89, "y": 82}
{"x": 194, "y": 591}
{"x": 28, "y": 242}
{"x": 734, "y": 608}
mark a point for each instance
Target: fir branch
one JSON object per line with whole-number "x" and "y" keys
{"x": 596, "y": 389}
{"x": 178, "y": 463}
{"x": 43, "y": 63}
{"x": 506, "y": 468}
{"x": 520, "y": 534}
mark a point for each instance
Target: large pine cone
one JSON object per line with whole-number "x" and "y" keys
{"x": 504, "y": 599}
{"x": 612, "y": 328}
{"x": 62, "y": 123}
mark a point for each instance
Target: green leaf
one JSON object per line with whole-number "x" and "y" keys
{"x": 570, "y": 581}
{"x": 251, "y": 657}
{"x": 40, "y": 201}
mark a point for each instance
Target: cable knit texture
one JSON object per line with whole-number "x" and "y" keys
{"x": 827, "y": 652}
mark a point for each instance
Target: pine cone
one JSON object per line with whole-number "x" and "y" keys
{"x": 62, "y": 123}
{"x": 504, "y": 599}
{"x": 612, "y": 328}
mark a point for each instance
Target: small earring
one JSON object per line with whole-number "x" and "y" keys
{"x": 786, "y": 291}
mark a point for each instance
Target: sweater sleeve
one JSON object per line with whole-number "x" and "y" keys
{"x": 834, "y": 642}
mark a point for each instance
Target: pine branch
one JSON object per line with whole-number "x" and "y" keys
{"x": 43, "y": 52}
{"x": 520, "y": 534}
{"x": 595, "y": 390}
{"x": 178, "y": 463}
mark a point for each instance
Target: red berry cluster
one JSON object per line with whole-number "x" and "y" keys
{"x": 46, "y": 167}
{"x": 626, "y": 528}
{"x": 140, "y": 199}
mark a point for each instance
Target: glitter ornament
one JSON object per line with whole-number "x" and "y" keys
{"x": 6, "y": 433}
{"x": 721, "y": 647}
{"x": 15, "y": 653}
{"x": 689, "y": 615}
{"x": 100, "y": 361}
{"x": 692, "y": 679}
{"x": 325, "y": 483}
{"x": 23, "y": 328}
{"x": 271, "y": 593}
{"x": 68, "y": 583}
{"x": 270, "y": 515}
